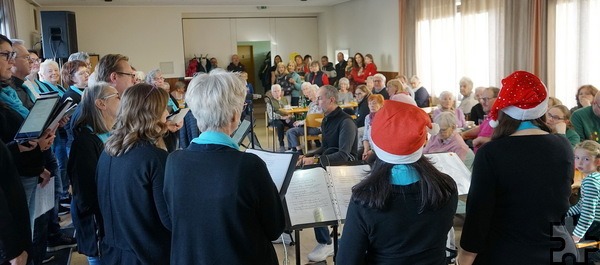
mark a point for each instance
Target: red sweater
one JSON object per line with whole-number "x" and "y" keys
{"x": 370, "y": 70}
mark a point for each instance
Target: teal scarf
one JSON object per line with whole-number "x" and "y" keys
{"x": 526, "y": 125}
{"x": 76, "y": 90}
{"x": 172, "y": 105}
{"x": 214, "y": 137}
{"x": 9, "y": 96}
{"x": 404, "y": 175}
{"x": 59, "y": 89}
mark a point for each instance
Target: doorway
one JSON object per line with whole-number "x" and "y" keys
{"x": 246, "y": 54}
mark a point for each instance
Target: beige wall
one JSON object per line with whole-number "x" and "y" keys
{"x": 374, "y": 31}
{"x": 150, "y": 35}
{"x": 25, "y": 22}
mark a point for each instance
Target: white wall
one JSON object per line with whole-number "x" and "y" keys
{"x": 364, "y": 26}
{"x": 25, "y": 22}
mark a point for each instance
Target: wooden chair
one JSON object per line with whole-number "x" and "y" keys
{"x": 311, "y": 122}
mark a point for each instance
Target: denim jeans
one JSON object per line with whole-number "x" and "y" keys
{"x": 322, "y": 235}
{"x": 61, "y": 151}
{"x": 94, "y": 260}
{"x": 293, "y": 135}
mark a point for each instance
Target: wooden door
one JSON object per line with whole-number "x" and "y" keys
{"x": 247, "y": 59}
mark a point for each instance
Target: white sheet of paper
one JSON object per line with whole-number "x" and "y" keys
{"x": 308, "y": 200}
{"x": 179, "y": 116}
{"x": 277, "y": 164}
{"x": 451, "y": 164}
{"x": 44, "y": 198}
{"x": 344, "y": 178}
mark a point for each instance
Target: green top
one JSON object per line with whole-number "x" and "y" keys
{"x": 586, "y": 124}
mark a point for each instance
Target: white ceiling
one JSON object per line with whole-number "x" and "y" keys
{"x": 291, "y": 3}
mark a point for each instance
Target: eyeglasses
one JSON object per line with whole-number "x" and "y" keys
{"x": 486, "y": 99}
{"x": 112, "y": 95}
{"x": 129, "y": 74}
{"x": 554, "y": 117}
{"x": 37, "y": 60}
{"x": 9, "y": 55}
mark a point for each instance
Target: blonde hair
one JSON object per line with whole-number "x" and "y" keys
{"x": 285, "y": 71}
{"x": 397, "y": 84}
{"x": 592, "y": 147}
{"x": 141, "y": 109}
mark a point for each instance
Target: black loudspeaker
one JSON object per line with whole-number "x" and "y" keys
{"x": 59, "y": 34}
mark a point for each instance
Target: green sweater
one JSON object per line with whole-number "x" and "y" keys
{"x": 586, "y": 124}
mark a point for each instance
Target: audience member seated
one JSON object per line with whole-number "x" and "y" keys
{"x": 477, "y": 114}
{"x": 395, "y": 87}
{"x": 99, "y": 107}
{"x": 362, "y": 94}
{"x": 375, "y": 103}
{"x": 223, "y": 204}
{"x": 584, "y": 97}
{"x": 587, "y": 159}
{"x": 130, "y": 178}
{"x": 338, "y": 145}
{"x": 404, "y": 205}
{"x": 379, "y": 86}
{"x": 586, "y": 121}
{"x": 468, "y": 97}
{"x": 558, "y": 119}
{"x": 449, "y": 140}
{"x": 421, "y": 94}
{"x": 310, "y": 92}
{"x": 369, "y": 83}
{"x": 236, "y": 65}
{"x": 278, "y": 119}
{"x": 448, "y": 104}
{"x": 483, "y": 133}
{"x": 344, "y": 95}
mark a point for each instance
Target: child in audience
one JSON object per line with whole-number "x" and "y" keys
{"x": 587, "y": 160}
{"x": 558, "y": 119}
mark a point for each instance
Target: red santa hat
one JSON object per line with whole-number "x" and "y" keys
{"x": 399, "y": 131}
{"x": 523, "y": 97}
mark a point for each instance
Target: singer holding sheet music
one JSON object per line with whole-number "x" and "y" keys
{"x": 402, "y": 211}
{"x": 223, "y": 204}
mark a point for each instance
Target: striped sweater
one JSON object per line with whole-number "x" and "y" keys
{"x": 588, "y": 206}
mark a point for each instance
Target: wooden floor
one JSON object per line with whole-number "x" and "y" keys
{"x": 307, "y": 236}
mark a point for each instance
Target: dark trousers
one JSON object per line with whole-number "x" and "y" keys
{"x": 280, "y": 128}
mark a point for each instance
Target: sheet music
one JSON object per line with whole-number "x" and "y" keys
{"x": 308, "y": 199}
{"x": 451, "y": 164}
{"x": 44, "y": 198}
{"x": 277, "y": 164}
{"x": 344, "y": 178}
{"x": 179, "y": 116}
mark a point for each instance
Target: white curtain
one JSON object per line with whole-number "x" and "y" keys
{"x": 8, "y": 26}
{"x": 452, "y": 44}
{"x": 576, "y": 52}
{"x": 482, "y": 42}
{"x": 436, "y": 42}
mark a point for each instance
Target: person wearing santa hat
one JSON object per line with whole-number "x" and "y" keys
{"x": 521, "y": 182}
{"x": 402, "y": 211}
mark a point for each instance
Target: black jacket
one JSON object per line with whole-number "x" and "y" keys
{"x": 339, "y": 142}
{"x": 361, "y": 112}
{"x": 15, "y": 230}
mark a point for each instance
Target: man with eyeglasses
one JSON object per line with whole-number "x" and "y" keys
{"x": 379, "y": 86}
{"x": 20, "y": 70}
{"x": 586, "y": 121}
{"x": 483, "y": 133}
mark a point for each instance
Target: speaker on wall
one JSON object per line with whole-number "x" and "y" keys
{"x": 59, "y": 34}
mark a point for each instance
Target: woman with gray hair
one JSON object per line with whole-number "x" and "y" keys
{"x": 345, "y": 95}
{"x": 236, "y": 192}
{"x": 99, "y": 106}
{"x": 448, "y": 139}
{"x": 448, "y": 104}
